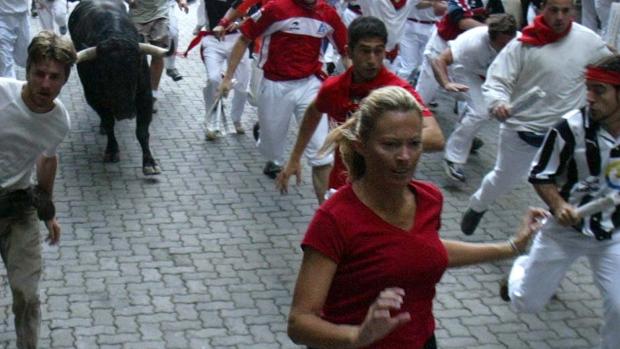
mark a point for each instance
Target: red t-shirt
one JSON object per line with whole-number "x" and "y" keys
{"x": 373, "y": 255}
{"x": 292, "y": 37}
{"x": 339, "y": 97}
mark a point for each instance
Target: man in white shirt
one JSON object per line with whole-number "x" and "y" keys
{"x": 469, "y": 57}
{"x": 34, "y": 123}
{"x": 53, "y": 15}
{"x": 421, "y": 21}
{"x": 14, "y": 35}
{"x": 394, "y": 14}
{"x": 531, "y": 83}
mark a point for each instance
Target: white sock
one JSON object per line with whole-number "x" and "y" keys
{"x": 155, "y": 94}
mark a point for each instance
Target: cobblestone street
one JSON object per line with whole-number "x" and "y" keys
{"x": 205, "y": 255}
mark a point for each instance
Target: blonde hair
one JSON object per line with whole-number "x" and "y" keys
{"x": 359, "y": 126}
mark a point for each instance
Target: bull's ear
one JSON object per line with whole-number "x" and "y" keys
{"x": 152, "y": 50}
{"x": 87, "y": 54}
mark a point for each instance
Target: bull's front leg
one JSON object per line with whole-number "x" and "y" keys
{"x": 111, "y": 150}
{"x": 150, "y": 166}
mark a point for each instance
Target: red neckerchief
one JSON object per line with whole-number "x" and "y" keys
{"x": 540, "y": 34}
{"x": 398, "y": 4}
{"x": 359, "y": 90}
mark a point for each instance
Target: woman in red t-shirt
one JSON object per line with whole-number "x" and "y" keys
{"x": 372, "y": 253}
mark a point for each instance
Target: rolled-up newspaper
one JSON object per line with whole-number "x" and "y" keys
{"x": 527, "y": 99}
{"x": 599, "y": 205}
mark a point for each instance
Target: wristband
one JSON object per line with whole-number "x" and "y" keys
{"x": 515, "y": 249}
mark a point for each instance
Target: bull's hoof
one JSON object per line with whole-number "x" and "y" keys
{"x": 151, "y": 169}
{"x": 111, "y": 157}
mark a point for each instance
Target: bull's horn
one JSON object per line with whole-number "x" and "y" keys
{"x": 152, "y": 50}
{"x": 87, "y": 54}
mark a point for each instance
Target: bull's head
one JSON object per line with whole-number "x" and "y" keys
{"x": 90, "y": 53}
{"x": 117, "y": 75}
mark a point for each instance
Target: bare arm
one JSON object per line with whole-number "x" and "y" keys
{"x": 311, "y": 120}
{"x": 46, "y": 174}
{"x": 465, "y": 253}
{"x": 440, "y": 7}
{"x": 432, "y": 137}
{"x": 424, "y": 4}
{"x": 440, "y": 70}
{"x": 304, "y": 323}
{"x": 564, "y": 212}
{"x": 305, "y": 326}
{"x": 233, "y": 62}
{"x": 227, "y": 23}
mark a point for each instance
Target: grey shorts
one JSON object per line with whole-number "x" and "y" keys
{"x": 155, "y": 32}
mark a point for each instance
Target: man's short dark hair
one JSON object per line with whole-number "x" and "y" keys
{"x": 47, "y": 45}
{"x": 610, "y": 63}
{"x": 366, "y": 27}
{"x": 501, "y": 24}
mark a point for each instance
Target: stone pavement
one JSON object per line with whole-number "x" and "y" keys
{"x": 206, "y": 254}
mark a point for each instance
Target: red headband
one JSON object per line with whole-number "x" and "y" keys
{"x": 602, "y": 75}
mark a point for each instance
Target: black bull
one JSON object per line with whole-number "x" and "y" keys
{"x": 116, "y": 79}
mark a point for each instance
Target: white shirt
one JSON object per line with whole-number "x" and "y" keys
{"x": 424, "y": 14}
{"x": 25, "y": 135}
{"x": 14, "y": 6}
{"x": 472, "y": 51}
{"x": 556, "y": 68}
{"x": 394, "y": 19}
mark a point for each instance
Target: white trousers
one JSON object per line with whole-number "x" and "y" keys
{"x": 534, "y": 278}
{"x": 52, "y": 12}
{"x": 14, "y": 41}
{"x": 591, "y": 10}
{"x": 603, "y": 8}
{"x": 173, "y": 33}
{"x": 216, "y": 54}
{"x": 411, "y": 47}
{"x": 472, "y": 118}
{"x": 512, "y": 165}
{"x": 427, "y": 86}
{"x": 348, "y": 16}
{"x": 278, "y": 101}
{"x": 588, "y": 15}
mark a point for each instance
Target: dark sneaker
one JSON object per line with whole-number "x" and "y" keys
{"x": 256, "y": 131}
{"x": 174, "y": 74}
{"x": 470, "y": 221}
{"x": 503, "y": 290}
{"x": 271, "y": 170}
{"x": 62, "y": 29}
{"x": 33, "y": 11}
{"x": 454, "y": 171}
{"x": 475, "y": 145}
